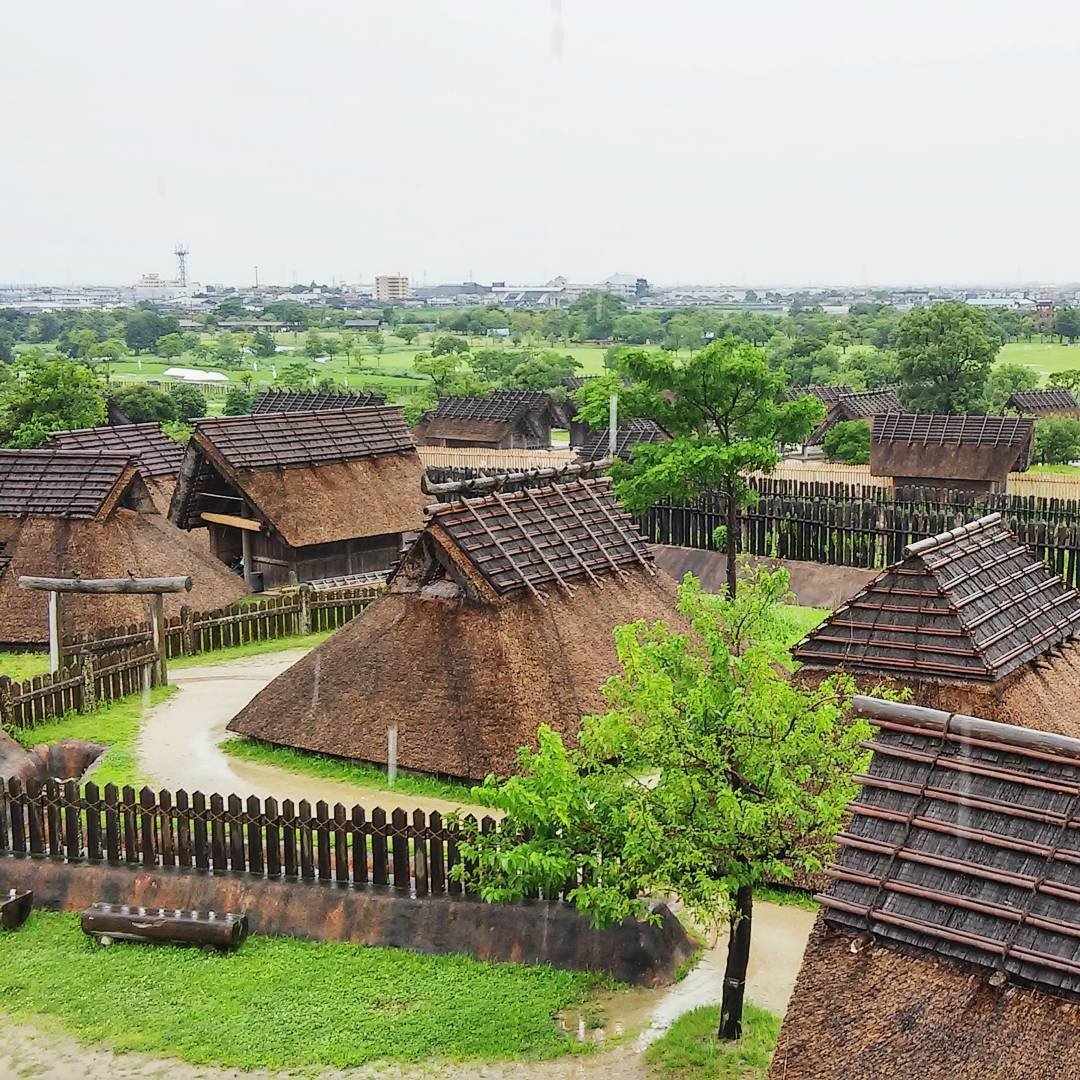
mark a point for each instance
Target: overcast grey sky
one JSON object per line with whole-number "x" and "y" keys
{"x": 684, "y": 140}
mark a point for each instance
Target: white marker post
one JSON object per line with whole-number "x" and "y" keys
{"x": 613, "y": 425}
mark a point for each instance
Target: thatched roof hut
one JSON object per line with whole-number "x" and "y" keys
{"x": 501, "y": 420}
{"x": 827, "y": 395}
{"x": 65, "y": 513}
{"x": 157, "y": 457}
{"x": 854, "y": 405}
{"x": 627, "y": 436}
{"x": 320, "y": 494}
{"x": 970, "y": 453}
{"x": 1052, "y": 401}
{"x": 499, "y": 619}
{"x": 947, "y": 944}
{"x": 275, "y": 401}
{"x": 969, "y": 620}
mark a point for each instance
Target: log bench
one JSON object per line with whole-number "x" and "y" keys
{"x": 14, "y": 908}
{"x": 223, "y": 931}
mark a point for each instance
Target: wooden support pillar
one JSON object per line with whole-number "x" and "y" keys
{"x": 157, "y": 617}
{"x": 56, "y": 636}
{"x": 245, "y": 548}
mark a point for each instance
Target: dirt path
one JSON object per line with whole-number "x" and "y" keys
{"x": 179, "y": 743}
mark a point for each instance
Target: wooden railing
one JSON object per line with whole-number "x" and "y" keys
{"x": 217, "y": 833}
{"x": 80, "y": 686}
{"x": 295, "y": 613}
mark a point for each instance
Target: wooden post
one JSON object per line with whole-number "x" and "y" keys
{"x": 187, "y": 630}
{"x": 55, "y": 631}
{"x": 245, "y": 549}
{"x": 157, "y": 616}
{"x": 88, "y": 697}
{"x": 305, "y": 610}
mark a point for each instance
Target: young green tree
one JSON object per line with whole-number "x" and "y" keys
{"x": 239, "y": 400}
{"x": 848, "y": 442}
{"x": 1066, "y": 323}
{"x": 407, "y": 332}
{"x": 143, "y": 404}
{"x": 1057, "y": 440}
{"x": 263, "y": 343}
{"x": 190, "y": 401}
{"x": 726, "y": 412}
{"x": 1004, "y": 380}
{"x": 50, "y": 395}
{"x": 314, "y": 345}
{"x": 711, "y": 773}
{"x": 945, "y": 352}
{"x": 171, "y": 345}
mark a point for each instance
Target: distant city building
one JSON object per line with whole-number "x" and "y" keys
{"x": 155, "y": 287}
{"x": 391, "y": 287}
{"x": 1044, "y": 314}
{"x": 1013, "y": 303}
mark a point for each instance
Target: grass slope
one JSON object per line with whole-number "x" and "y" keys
{"x": 281, "y": 1004}
{"x": 325, "y": 767}
{"x": 23, "y": 665}
{"x": 116, "y": 725}
{"x": 691, "y": 1050}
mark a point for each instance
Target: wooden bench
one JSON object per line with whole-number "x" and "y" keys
{"x": 219, "y": 930}
{"x": 14, "y": 908}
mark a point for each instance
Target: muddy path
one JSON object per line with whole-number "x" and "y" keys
{"x": 179, "y": 744}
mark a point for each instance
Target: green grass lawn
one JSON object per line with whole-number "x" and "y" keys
{"x": 252, "y": 648}
{"x": 799, "y": 621}
{"x": 285, "y": 1004}
{"x": 691, "y": 1050}
{"x": 23, "y": 665}
{"x": 1045, "y": 357}
{"x": 341, "y": 770}
{"x": 115, "y": 725}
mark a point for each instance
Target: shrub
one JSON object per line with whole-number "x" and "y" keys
{"x": 848, "y": 442}
{"x": 1057, "y": 440}
{"x": 144, "y": 404}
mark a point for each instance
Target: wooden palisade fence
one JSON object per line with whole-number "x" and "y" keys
{"x": 216, "y": 833}
{"x": 115, "y": 662}
{"x": 843, "y": 528}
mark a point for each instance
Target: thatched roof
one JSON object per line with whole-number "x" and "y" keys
{"x": 156, "y": 456}
{"x": 950, "y": 447}
{"x": 855, "y": 405}
{"x": 500, "y": 618}
{"x": 826, "y": 394}
{"x": 64, "y": 483}
{"x": 313, "y": 478}
{"x": 961, "y": 865}
{"x": 66, "y": 513}
{"x": 972, "y": 604}
{"x": 154, "y": 452}
{"x": 490, "y": 418}
{"x": 275, "y": 401}
{"x": 627, "y": 436}
{"x": 1054, "y": 400}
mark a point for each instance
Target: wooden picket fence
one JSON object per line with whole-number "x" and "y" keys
{"x": 80, "y": 686}
{"x": 871, "y": 533}
{"x": 299, "y": 611}
{"x": 347, "y": 845}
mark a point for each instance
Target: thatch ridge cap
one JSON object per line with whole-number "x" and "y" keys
{"x": 932, "y": 543}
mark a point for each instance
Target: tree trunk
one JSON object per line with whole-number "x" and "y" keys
{"x": 738, "y": 958}
{"x": 732, "y": 541}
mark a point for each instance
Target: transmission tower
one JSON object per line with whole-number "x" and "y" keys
{"x": 181, "y": 252}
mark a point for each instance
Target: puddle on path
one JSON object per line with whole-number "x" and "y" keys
{"x": 780, "y": 934}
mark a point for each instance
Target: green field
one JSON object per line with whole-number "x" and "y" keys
{"x": 1045, "y": 357}
{"x": 279, "y": 1003}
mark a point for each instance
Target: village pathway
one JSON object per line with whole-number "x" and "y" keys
{"x": 178, "y": 746}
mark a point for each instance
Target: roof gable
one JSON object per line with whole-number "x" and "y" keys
{"x": 627, "y": 436}
{"x": 63, "y": 483}
{"x": 826, "y": 394}
{"x": 970, "y": 604}
{"x": 1042, "y": 399}
{"x": 963, "y": 844}
{"x": 154, "y": 452}
{"x": 273, "y": 401}
{"x": 859, "y": 405}
{"x": 302, "y": 439}
{"x": 551, "y": 535}
{"x": 500, "y": 406}
{"x": 942, "y": 429}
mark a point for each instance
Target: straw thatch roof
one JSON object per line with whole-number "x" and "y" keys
{"x": 825, "y": 394}
{"x": 275, "y": 401}
{"x": 957, "y": 881}
{"x": 67, "y": 513}
{"x": 500, "y": 618}
{"x": 493, "y": 418}
{"x": 310, "y": 477}
{"x": 1049, "y": 402}
{"x": 627, "y": 436}
{"x": 969, "y": 619}
{"x": 157, "y": 457}
{"x": 954, "y": 448}
{"x": 854, "y": 405}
